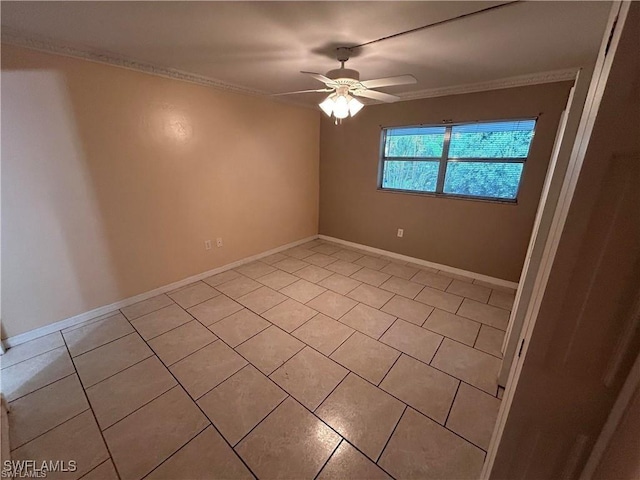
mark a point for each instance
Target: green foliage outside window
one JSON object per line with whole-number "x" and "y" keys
{"x": 488, "y": 179}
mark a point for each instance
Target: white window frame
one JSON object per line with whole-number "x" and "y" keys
{"x": 444, "y": 159}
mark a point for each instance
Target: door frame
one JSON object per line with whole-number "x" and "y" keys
{"x": 541, "y": 225}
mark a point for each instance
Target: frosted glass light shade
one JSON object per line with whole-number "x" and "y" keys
{"x": 341, "y": 107}
{"x": 327, "y": 106}
{"x": 355, "y": 106}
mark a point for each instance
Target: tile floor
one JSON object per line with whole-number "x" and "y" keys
{"x": 318, "y": 362}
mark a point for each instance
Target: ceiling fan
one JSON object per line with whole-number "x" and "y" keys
{"x": 344, "y": 85}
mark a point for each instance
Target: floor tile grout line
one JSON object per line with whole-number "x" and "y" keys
{"x": 97, "y": 466}
{"x": 406, "y": 404}
{"x": 385, "y": 303}
{"x": 433, "y": 309}
{"x": 449, "y": 430}
{"x": 379, "y": 339}
{"x": 435, "y": 353}
{"x": 254, "y": 335}
{"x": 391, "y": 346}
{"x": 234, "y": 348}
{"x": 391, "y": 436}
{"x": 146, "y": 475}
{"x": 343, "y": 342}
{"x": 184, "y": 287}
{"x": 118, "y": 372}
{"x": 91, "y": 321}
{"x": 390, "y": 368}
{"x": 219, "y": 320}
{"x": 192, "y": 353}
{"x": 205, "y": 416}
{"x": 167, "y": 331}
{"x": 103, "y": 344}
{"x": 338, "y": 433}
{"x": 95, "y": 419}
{"x": 326, "y": 462}
{"x": 147, "y": 313}
{"x": 200, "y": 397}
{"x": 13, "y": 449}
{"x": 260, "y": 313}
{"x": 488, "y": 353}
{"x": 304, "y": 345}
{"x": 329, "y": 394}
{"x": 345, "y": 313}
{"x": 169, "y": 365}
{"x": 324, "y": 397}
{"x": 203, "y": 301}
{"x": 30, "y": 358}
{"x": 453, "y": 401}
{"x": 454, "y": 339}
{"x": 264, "y": 418}
{"x": 9, "y": 402}
{"x": 321, "y": 353}
{"x": 137, "y": 408}
{"x": 400, "y": 294}
{"x": 302, "y": 324}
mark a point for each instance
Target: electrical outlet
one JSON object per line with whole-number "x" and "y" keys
{"x": 400, "y": 232}
{"x": 219, "y": 241}
{"x": 207, "y": 244}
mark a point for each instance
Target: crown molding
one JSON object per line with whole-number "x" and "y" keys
{"x": 499, "y": 84}
{"x": 52, "y": 46}
{"x": 101, "y": 56}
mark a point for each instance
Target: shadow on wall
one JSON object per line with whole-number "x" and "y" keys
{"x": 50, "y": 211}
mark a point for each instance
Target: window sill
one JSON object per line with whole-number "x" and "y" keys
{"x": 448, "y": 196}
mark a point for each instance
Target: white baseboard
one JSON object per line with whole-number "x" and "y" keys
{"x": 106, "y": 309}
{"x": 418, "y": 261}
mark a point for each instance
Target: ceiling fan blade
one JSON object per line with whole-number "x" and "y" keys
{"x": 320, "y": 77}
{"x": 383, "y": 97}
{"x": 390, "y": 81}
{"x": 302, "y": 91}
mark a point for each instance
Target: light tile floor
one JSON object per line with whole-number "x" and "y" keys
{"x": 318, "y": 362}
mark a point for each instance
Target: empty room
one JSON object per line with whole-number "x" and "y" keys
{"x": 320, "y": 240}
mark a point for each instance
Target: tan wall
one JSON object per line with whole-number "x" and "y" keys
{"x": 483, "y": 237}
{"x": 113, "y": 179}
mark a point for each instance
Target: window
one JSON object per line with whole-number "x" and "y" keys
{"x": 476, "y": 160}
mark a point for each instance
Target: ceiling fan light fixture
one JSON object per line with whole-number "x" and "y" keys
{"x": 341, "y": 107}
{"x": 327, "y": 105}
{"x": 355, "y": 106}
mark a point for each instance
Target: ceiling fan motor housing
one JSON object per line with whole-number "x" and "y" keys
{"x": 344, "y": 75}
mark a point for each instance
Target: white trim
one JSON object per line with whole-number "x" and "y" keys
{"x": 499, "y": 84}
{"x": 425, "y": 263}
{"x": 106, "y": 309}
{"x": 14, "y": 37}
{"x": 541, "y": 226}
{"x": 588, "y": 116}
{"x": 42, "y": 44}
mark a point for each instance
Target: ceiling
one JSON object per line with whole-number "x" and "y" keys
{"x": 262, "y": 46}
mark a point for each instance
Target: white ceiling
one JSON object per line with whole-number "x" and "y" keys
{"x": 263, "y": 45}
